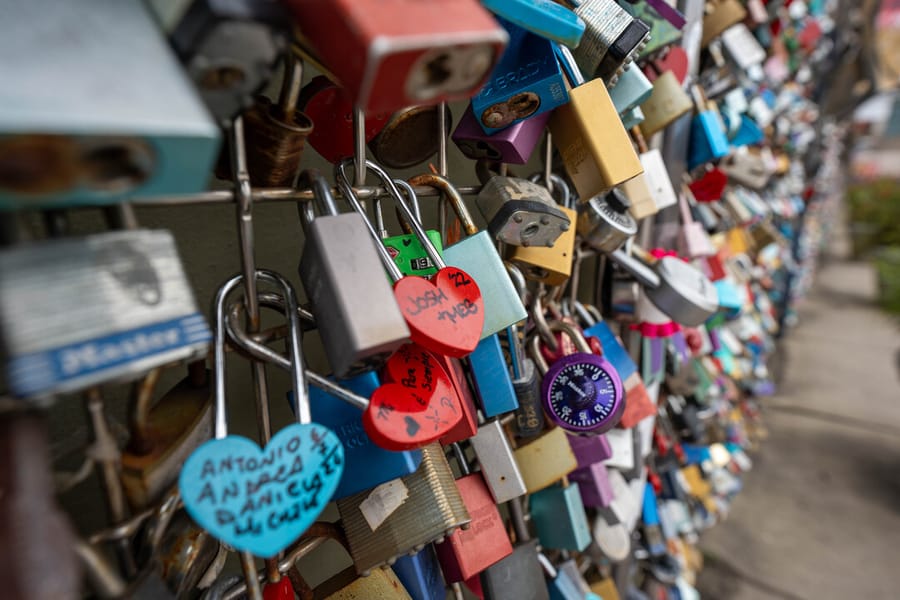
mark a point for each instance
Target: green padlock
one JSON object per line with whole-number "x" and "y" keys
{"x": 406, "y": 250}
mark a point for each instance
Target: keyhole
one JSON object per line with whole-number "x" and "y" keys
{"x": 436, "y": 70}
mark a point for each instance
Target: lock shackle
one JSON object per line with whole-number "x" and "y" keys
{"x": 558, "y": 188}
{"x": 541, "y": 326}
{"x": 486, "y": 168}
{"x": 139, "y": 412}
{"x": 411, "y": 197}
{"x": 323, "y": 199}
{"x": 569, "y": 67}
{"x": 460, "y": 455}
{"x": 548, "y": 567}
{"x": 645, "y": 274}
{"x": 453, "y": 196}
{"x": 261, "y": 352}
{"x": 297, "y": 368}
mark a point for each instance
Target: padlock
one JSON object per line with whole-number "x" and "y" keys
{"x": 519, "y": 212}
{"x": 136, "y": 311}
{"x": 747, "y": 168}
{"x": 144, "y": 137}
{"x": 491, "y": 378}
{"x": 513, "y": 145}
{"x": 666, "y": 104}
{"x": 331, "y": 110}
{"x": 693, "y": 241}
{"x": 558, "y": 515}
{"x": 718, "y": 16}
{"x": 708, "y": 141}
{"x": 403, "y": 514}
{"x": 414, "y": 53}
{"x": 593, "y": 485}
{"x": 742, "y": 131}
{"x": 529, "y": 420}
{"x": 518, "y": 575}
{"x": 590, "y": 449}
{"x": 468, "y": 422}
{"x": 650, "y": 525}
{"x": 229, "y": 49}
{"x": 652, "y": 191}
{"x": 163, "y": 435}
{"x": 541, "y": 17}
{"x": 664, "y": 20}
{"x": 420, "y": 574}
{"x": 477, "y": 256}
{"x": 632, "y": 118}
{"x": 407, "y": 138}
{"x": 526, "y": 82}
{"x": 587, "y": 129}
{"x": 497, "y": 461}
{"x": 571, "y": 570}
{"x": 742, "y": 47}
{"x": 445, "y": 314}
{"x": 301, "y": 465}
{"x": 186, "y": 553}
{"x": 598, "y": 399}
{"x": 545, "y": 460}
{"x": 632, "y": 90}
{"x": 466, "y": 553}
{"x": 612, "y": 39}
{"x": 35, "y": 531}
{"x": 605, "y": 222}
{"x": 357, "y": 316}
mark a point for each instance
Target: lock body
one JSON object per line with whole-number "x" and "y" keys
{"x": 520, "y": 212}
{"x": 357, "y": 315}
{"x": 513, "y": 144}
{"x": 719, "y": 16}
{"x": 594, "y": 145}
{"x": 604, "y": 223}
{"x": 490, "y": 375}
{"x": 526, "y": 82}
{"x": 559, "y": 518}
{"x": 409, "y": 255}
{"x": 665, "y": 23}
{"x": 136, "y": 310}
{"x": 612, "y": 39}
{"x": 546, "y": 460}
{"x": 632, "y": 90}
{"x": 420, "y": 574}
{"x": 742, "y": 47}
{"x": 433, "y": 508}
{"x": 529, "y": 420}
{"x": 146, "y": 136}
{"x": 666, "y": 103}
{"x": 408, "y": 137}
{"x": 593, "y": 485}
{"x": 465, "y": 553}
{"x": 708, "y": 141}
{"x": 400, "y": 53}
{"x": 517, "y": 576}
{"x": 541, "y": 17}
{"x": 551, "y": 265}
{"x": 498, "y": 464}
{"x": 366, "y": 464}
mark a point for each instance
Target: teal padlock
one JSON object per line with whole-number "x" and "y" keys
{"x": 708, "y": 141}
{"x": 477, "y": 256}
{"x": 632, "y": 90}
{"x": 559, "y": 517}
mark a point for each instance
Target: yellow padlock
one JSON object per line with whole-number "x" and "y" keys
{"x": 666, "y": 103}
{"x": 546, "y": 460}
{"x": 719, "y": 15}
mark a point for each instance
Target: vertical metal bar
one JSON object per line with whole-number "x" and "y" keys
{"x": 248, "y": 566}
{"x": 359, "y": 147}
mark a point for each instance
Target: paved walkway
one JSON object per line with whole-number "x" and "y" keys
{"x": 819, "y": 516}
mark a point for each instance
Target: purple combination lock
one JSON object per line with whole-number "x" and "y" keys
{"x": 581, "y": 392}
{"x": 512, "y": 145}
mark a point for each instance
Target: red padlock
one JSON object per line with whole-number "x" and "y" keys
{"x": 394, "y": 53}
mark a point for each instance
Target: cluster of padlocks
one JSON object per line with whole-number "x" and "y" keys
{"x": 554, "y": 405}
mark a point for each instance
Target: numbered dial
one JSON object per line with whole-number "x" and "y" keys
{"x": 583, "y": 393}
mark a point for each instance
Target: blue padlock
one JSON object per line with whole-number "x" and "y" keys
{"x": 708, "y": 141}
{"x": 653, "y": 537}
{"x": 367, "y": 465}
{"x": 632, "y": 90}
{"x": 742, "y": 130}
{"x": 421, "y": 575}
{"x": 491, "y": 377}
{"x": 541, "y": 17}
{"x": 613, "y": 350}
{"x": 632, "y": 118}
{"x": 526, "y": 82}
{"x": 731, "y": 297}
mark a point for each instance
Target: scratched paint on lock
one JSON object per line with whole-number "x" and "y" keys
{"x": 262, "y": 500}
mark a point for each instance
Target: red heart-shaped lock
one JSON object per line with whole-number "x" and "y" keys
{"x": 710, "y": 187}
{"x": 416, "y": 405}
{"x": 444, "y": 315}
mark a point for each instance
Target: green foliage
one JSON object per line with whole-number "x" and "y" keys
{"x": 887, "y": 265}
{"x": 874, "y": 213}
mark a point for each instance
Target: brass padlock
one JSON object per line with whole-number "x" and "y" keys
{"x": 546, "y": 460}
{"x": 402, "y": 515}
{"x": 163, "y": 436}
{"x": 718, "y": 16}
{"x": 666, "y": 103}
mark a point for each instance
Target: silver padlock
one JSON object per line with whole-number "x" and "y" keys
{"x": 498, "y": 465}
{"x": 78, "y": 312}
{"x": 605, "y": 223}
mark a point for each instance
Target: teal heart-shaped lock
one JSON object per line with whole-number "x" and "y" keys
{"x": 262, "y": 500}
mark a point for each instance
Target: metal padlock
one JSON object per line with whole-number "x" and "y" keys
{"x": 742, "y": 47}
{"x": 357, "y": 315}
{"x": 478, "y": 257}
{"x": 381, "y": 525}
{"x": 632, "y": 90}
{"x": 513, "y": 145}
{"x": 605, "y": 222}
{"x": 162, "y": 436}
{"x": 497, "y": 461}
{"x": 35, "y": 531}
{"x": 693, "y": 241}
{"x": 407, "y": 137}
{"x": 526, "y": 82}
{"x": 665, "y": 22}
{"x": 593, "y": 485}
{"x": 529, "y": 420}
{"x": 491, "y": 378}
{"x": 230, "y": 49}
{"x": 519, "y": 212}
{"x": 612, "y": 39}
{"x": 541, "y": 17}
{"x": 649, "y": 192}
{"x": 589, "y": 135}
{"x": 146, "y": 136}
{"x": 519, "y": 575}
{"x": 747, "y": 168}
{"x": 718, "y": 16}
{"x": 666, "y": 104}
{"x": 545, "y": 460}
{"x": 708, "y": 141}
{"x": 742, "y": 130}
{"x": 421, "y": 575}
{"x": 136, "y": 311}
{"x": 466, "y": 553}
{"x": 558, "y": 515}
{"x": 414, "y": 53}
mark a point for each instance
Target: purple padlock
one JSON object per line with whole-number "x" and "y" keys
{"x": 589, "y": 449}
{"x": 593, "y": 483}
{"x": 512, "y": 145}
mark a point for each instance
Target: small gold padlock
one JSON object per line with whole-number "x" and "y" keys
{"x": 546, "y": 460}
{"x": 718, "y": 16}
{"x": 666, "y": 103}
{"x": 404, "y": 514}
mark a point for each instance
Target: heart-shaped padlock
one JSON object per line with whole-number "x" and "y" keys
{"x": 253, "y": 499}
{"x": 446, "y": 313}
